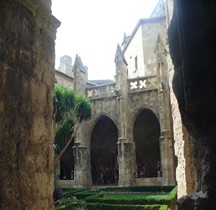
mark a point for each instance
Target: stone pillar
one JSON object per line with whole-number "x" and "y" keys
{"x": 125, "y": 147}
{"x": 125, "y": 151}
{"x": 167, "y": 159}
{"x": 166, "y": 139}
{"x": 80, "y": 168}
{"x": 27, "y": 58}
{"x": 82, "y": 171}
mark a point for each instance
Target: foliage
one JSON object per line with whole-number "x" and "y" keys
{"x": 83, "y": 108}
{"x": 149, "y": 189}
{"x": 69, "y": 110}
{"x": 100, "y": 200}
{"x": 62, "y": 135}
{"x": 104, "y": 206}
{"x": 64, "y": 102}
{"x": 173, "y": 196}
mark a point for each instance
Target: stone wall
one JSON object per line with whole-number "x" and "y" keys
{"x": 141, "y": 47}
{"x": 135, "y": 51}
{"x": 185, "y": 172}
{"x": 192, "y": 48}
{"x": 63, "y": 79}
{"x": 27, "y": 33}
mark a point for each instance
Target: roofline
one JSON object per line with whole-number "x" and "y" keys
{"x": 142, "y": 22}
{"x": 64, "y": 74}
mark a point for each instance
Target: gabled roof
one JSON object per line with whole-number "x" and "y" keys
{"x": 142, "y": 22}
{"x": 64, "y": 74}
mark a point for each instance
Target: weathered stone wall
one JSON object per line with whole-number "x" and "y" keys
{"x": 185, "y": 172}
{"x": 151, "y": 30}
{"x": 27, "y": 33}
{"x": 66, "y": 65}
{"x": 135, "y": 51}
{"x": 146, "y": 99}
{"x": 142, "y": 46}
{"x": 192, "y": 47}
{"x": 65, "y": 80}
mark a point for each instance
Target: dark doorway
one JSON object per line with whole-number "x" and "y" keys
{"x": 146, "y": 135}
{"x": 104, "y": 151}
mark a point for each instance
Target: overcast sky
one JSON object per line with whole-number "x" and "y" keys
{"x": 93, "y": 28}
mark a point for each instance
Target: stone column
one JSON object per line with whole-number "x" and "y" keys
{"x": 166, "y": 139}
{"x": 125, "y": 150}
{"x": 27, "y": 58}
{"x": 125, "y": 147}
{"x": 82, "y": 172}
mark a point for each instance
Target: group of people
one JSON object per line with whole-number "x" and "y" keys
{"x": 107, "y": 175}
{"x": 145, "y": 170}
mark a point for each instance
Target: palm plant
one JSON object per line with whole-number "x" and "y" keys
{"x": 69, "y": 111}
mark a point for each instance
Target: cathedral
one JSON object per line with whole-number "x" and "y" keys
{"x": 131, "y": 125}
{"x": 154, "y": 123}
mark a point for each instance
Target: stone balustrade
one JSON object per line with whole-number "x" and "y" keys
{"x": 107, "y": 90}
{"x": 142, "y": 83}
{"x": 134, "y": 85}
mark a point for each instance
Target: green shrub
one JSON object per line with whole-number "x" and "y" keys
{"x": 70, "y": 206}
{"x": 173, "y": 196}
{"x": 132, "y": 199}
{"x": 85, "y": 194}
{"x": 104, "y": 206}
{"x": 135, "y": 199}
{"x": 163, "y": 207}
{"x": 149, "y": 189}
{"x": 94, "y": 199}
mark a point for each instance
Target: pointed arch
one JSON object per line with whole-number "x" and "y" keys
{"x": 103, "y": 149}
{"x": 146, "y": 135}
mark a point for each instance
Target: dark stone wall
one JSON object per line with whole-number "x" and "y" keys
{"x": 193, "y": 51}
{"x": 26, "y": 91}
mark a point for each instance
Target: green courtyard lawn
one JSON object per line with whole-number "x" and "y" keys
{"x": 100, "y": 200}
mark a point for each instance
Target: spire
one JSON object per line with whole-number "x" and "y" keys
{"x": 78, "y": 63}
{"x": 119, "y": 56}
{"x": 125, "y": 40}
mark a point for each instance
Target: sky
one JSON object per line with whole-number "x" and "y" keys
{"x": 93, "y": 28}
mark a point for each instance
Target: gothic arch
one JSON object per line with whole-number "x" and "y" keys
{"x": 103, "y": 148}
{"x": 144, "y": 107}
{"x": 97, "y": 117}
{"x": 136, "y": 112}
{"x": 146, "y": 135}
